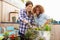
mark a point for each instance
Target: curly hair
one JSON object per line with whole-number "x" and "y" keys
{"x": 41, "y": 9}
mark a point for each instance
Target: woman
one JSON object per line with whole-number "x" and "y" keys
{"x": 25, "y": 17}
{"x": 39, "y": 16}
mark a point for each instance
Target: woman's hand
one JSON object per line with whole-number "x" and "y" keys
{"x": 34, "y": 26}
{"x": 25, "y": 21}
{"x": 48, "y": 21}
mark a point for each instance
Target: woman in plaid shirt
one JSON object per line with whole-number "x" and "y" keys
{"x": 25, "y": 16}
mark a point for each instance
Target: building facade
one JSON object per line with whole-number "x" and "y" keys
{"x": 6, "y": 7}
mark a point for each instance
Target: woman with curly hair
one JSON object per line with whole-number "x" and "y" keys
{"x": 39, "y": 16}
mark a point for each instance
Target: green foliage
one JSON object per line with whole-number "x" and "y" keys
{"x": 22, "y": 1}
{"x": 17, "y": 38}
{"x": 14, "y": 19}
{"x": 6, "y": 34}
{"x": 41, "y": 39}
{"x": 38, "y": 29}
{"x": 47, "y": 27}
{"x": 31, "y": 34}
{"x": 1, "y": 37}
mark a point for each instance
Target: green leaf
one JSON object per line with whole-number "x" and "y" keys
{"x": 22, "y": 1}
{"x": 6, "y": 34}
{"x": 47, "y": 28}
{"x": 27, "y": 0}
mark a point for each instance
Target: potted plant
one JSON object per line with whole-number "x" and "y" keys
{"x": 31, "y": 34}
{"x": 40, "y": 32}
{"x": 41, "y": 38}
{"x": 12, "y": 36}
{"x": 13, "y": 19}
{"x": 6, "y": 35}
{"x": 46, "y": 32}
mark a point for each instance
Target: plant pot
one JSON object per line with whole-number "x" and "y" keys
{"x": 40, "y": 35}
{"x": 46, "y": 35}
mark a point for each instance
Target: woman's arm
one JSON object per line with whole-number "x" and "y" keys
{"x": 48, "y": 21}
{"x": 21, "y": 17}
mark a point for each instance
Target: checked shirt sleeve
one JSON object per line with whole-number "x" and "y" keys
{"x": 21, "y": 16}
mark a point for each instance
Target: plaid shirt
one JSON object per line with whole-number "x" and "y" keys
{"x": 23, "y": 15}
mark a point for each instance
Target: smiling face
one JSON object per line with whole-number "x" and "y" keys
{"x": 37, "y": 11}
{"x": 29, "y": 7}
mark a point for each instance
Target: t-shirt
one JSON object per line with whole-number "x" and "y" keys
{"x": 41, "y": 20}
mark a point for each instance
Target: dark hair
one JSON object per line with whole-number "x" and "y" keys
{"x": 28, "y": 3}
{"x": 41, "y": 9}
